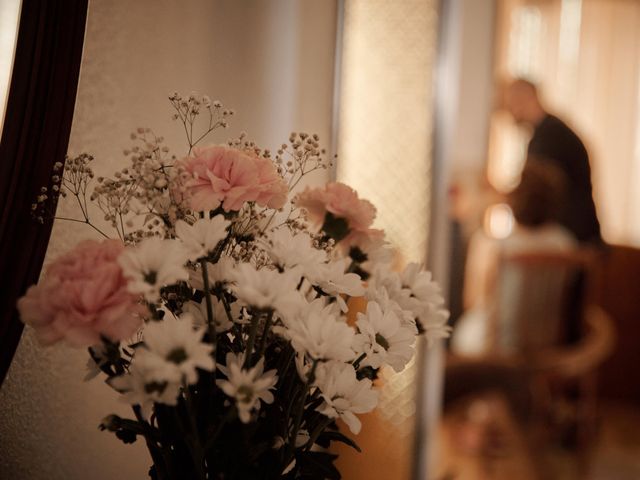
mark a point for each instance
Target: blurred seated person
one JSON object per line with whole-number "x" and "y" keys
{"x": 535, "y": 205}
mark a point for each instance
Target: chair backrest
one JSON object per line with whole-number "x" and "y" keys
{"x": 537, "y": 294}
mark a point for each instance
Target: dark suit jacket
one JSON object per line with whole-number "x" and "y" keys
{"x": 554, "y": 141}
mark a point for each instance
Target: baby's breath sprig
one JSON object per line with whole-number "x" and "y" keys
{"x": 74, "y": 179}
{"x": 188, "y": 109}
{"x": 302, "y": 156}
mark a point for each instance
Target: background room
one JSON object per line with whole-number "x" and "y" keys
{"x": 415, "y": 104}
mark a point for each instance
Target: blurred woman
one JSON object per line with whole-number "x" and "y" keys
{"x": 535, "y": 205}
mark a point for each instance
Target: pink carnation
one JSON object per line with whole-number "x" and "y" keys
{"x": 82, "y": 296}
{"x": 228, "y": 176}
{"x": 343, "y": 202}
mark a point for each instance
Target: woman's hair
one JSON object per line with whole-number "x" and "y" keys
{"x": 538, "y": 197}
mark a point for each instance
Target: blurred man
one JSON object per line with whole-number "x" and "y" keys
{"x": 554, "y": 141}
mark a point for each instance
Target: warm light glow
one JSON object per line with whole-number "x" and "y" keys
{"x": 524, "y": 41}
{"x": 498, "y": 221}
{"x": 508, "y": 143}
{"x": 507, "y": 152}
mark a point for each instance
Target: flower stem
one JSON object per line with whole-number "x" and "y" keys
{"x": 193, "y": 440}
{"x": 231, "y": 413}
{"x": 317, "y": 431}
{"x": 265, "y": 333}
{"x": 207, "y": 295}
{"x": 158, "y": 454}
{"x": 298, "y": 420}
{"x": 356, "y": 363}
{"x": 252, "y": 339}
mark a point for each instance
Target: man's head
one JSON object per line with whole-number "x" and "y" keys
{"x": 520, "y": 99}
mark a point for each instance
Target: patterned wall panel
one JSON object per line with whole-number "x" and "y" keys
{"x": 385, "y": 118}
{"x": 384, "y": 152}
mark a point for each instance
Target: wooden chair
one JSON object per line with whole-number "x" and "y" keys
{"x": 544, "y": 323}
{"x": 538, "y": 301}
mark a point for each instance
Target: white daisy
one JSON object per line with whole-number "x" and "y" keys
{"x": 377, "y": 252}
{"x": 318, "y": 333}
{"x": 385, "y": 278}
{"x": 176, "y": 345}
{"x": 287, "y": 251}
{"x": 380, "y": 295}
{"x": 424, "y": 299}
{"x": 383, "y": 338}
{"x": 267, "y": 289}
{"x": 416, "y": 292}
{"x": 248, "y": 386}
{"x": 153, "y": 264}
{"x": 334, "y": 281}
{"x": 343, "y": 394}
{"x": 220, "y": 274}
{"x": 201, "y": 238}
{"x": 220, "y": 317}
{"x": 146, "y": 384}
{"x": 420, "y": 284}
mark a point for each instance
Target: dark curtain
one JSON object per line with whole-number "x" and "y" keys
{"x": 35, "y": 135}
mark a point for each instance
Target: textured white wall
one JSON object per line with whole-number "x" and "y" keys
{"x": 270, "y": 61}
{"x": 385, "y": 120}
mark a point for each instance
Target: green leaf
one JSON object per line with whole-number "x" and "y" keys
{"x": 127, "y": 436}
{"x": 316, "y": 465}
{"x": 335, "y": 436}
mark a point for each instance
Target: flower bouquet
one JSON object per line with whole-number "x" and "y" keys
{"x": 219, "y": 308}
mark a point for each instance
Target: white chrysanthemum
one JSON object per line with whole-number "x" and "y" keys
{"x": 380, "y": 295}
{"x": 425, "y": 300}
{"x": 176, "y": 345}
{"x": 267, "y": 289}
{"x": 201, "y": 238}
{"x": 383, "y": 338}
{"x": 220, "y": 317}
{"x": 153, "y": 264}
{"x": 334, "y": 281}
{"x": 377, "y": 252}
{"x": 343, "y": 394}
{"x": 220, "y": 274}
{"x": 420, "y": 284}
{"x": 287, "y": 251}
{"x": 146, "y": 383}
{"x": 384, "y": 278}
{"x": 416, "y": 292}
{"x": 318, "y": 333}
{"x": 248, "y": 386}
